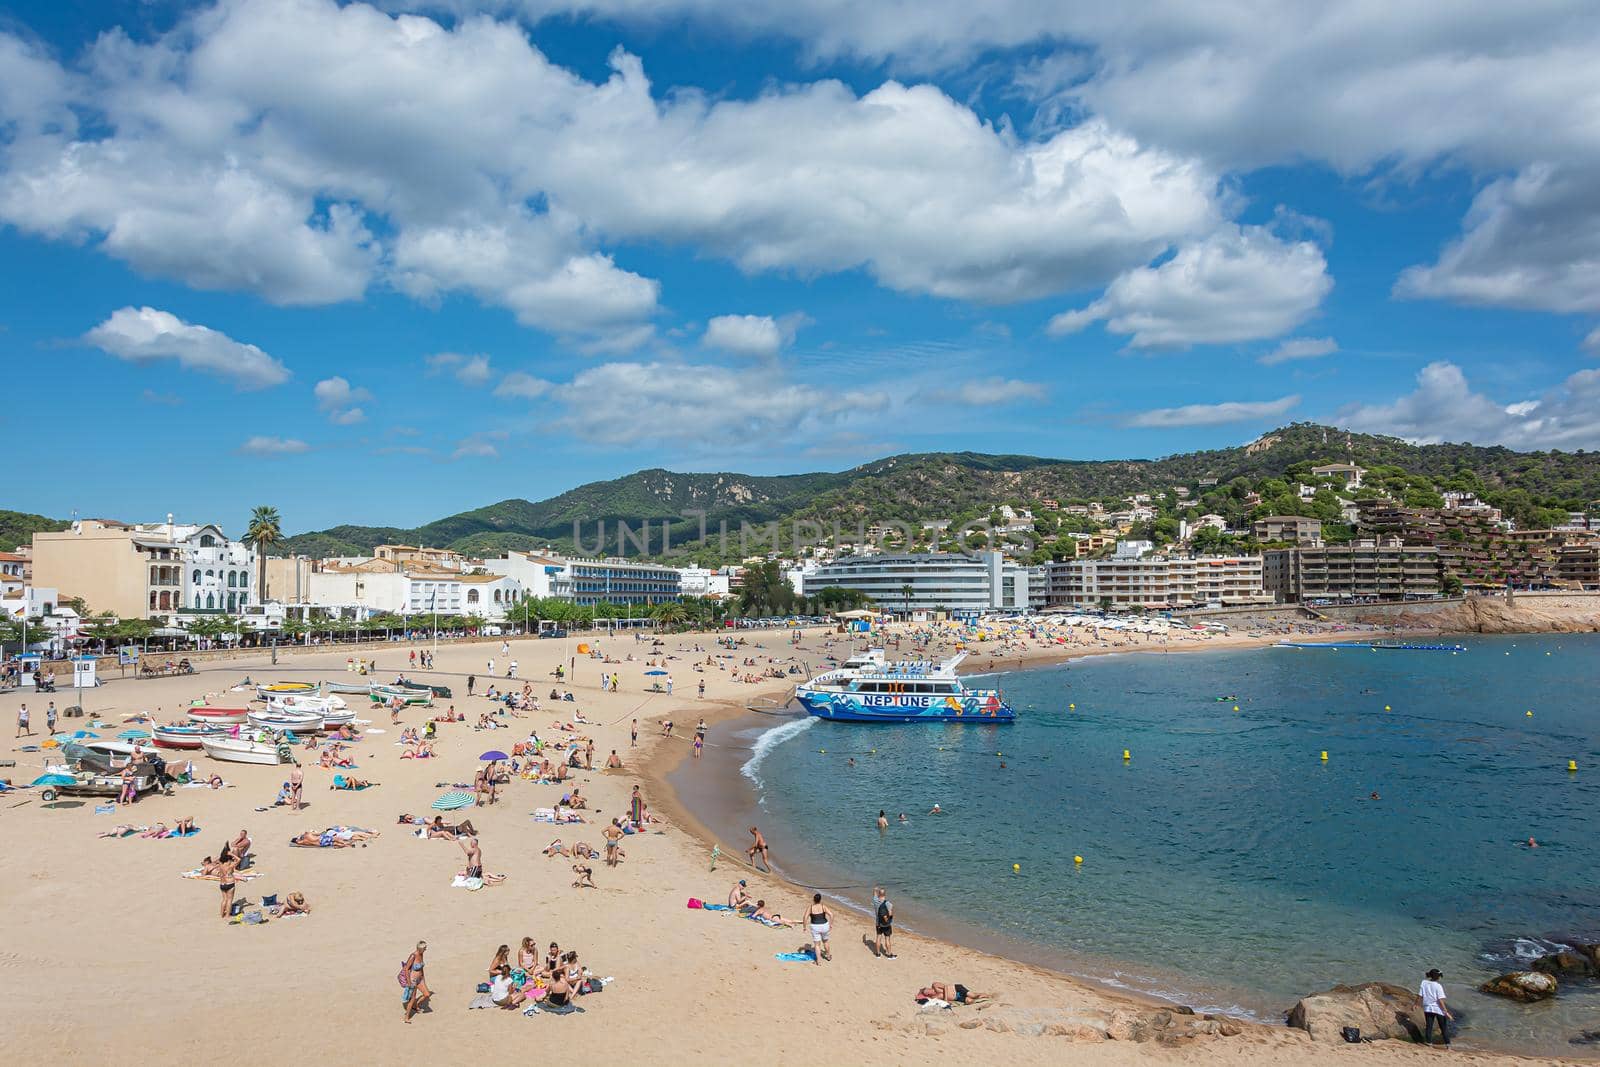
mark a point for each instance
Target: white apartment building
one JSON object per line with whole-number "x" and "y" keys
{"x": 365, "y": 593}
{"x": 929, "y": 581}
{"x": 590, "y": 581}
{"x": 703, "y": 581}
{"x": 1156, "y": 582}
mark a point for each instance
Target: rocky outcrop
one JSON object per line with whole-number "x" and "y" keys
{"x": 1379, "y": 1010}
{"x": 1525, "y": 986}
{"x": 1577, "y": 961}
{"x": 1571, "y": 613}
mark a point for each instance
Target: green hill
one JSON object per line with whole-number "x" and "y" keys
{"x": 924, "y": 486}
{"x": 18, "y": 527}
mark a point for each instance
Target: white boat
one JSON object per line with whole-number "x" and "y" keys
{"x": 839, "y": 679}
{"x": 332, "y": 720}
{"x": 296, "y": 703}
{"x": 270, "y": 689}
{"x": 210, "y": 716}
{"x": 300, "y": 722}
{"x": 347, "y": 687}
{"x": 238, "y": 750}
{"x": 172, "y": 736}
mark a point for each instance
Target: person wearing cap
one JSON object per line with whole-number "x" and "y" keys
{"x": 1434, "y": 1009}
{"x": 738, "y": 896}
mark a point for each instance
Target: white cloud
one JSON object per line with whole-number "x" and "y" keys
{"x": 262, "y": 445}
{"x": 991, "y": 392}
{"x": 1238, "y": 284}
{"x": 1213, "y": 414}
{"x": 1297, "y": 348}
{"x": 1531, "y": 241}
{"x": 636, "y": 403}
{"x": 753, "y": 335}
{"x": 1591, "y": 343}
{"x": 483, "y": 445}
{"x": 1443, "y": 407}
{"x": 339, "y": 399}
{"x": 522, "y": 384}
{"x": 147, "y": 335}
{"x": 474, "y": 371}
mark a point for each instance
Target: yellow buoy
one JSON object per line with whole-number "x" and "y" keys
{"x": 1572, "y": 764}
{"x": 1236, "y": 707}
{"x": 822, "y": 750}
{"x": 1386, "y": 707}
{"x": 1530, "y": 714}
{"x": 1126, "y": 754}
{"x": 1072, "y": 707}
{"x": 1016, "y": 866}
{"x": 1324, "y": 756}
{"x": 1077, "y": 859}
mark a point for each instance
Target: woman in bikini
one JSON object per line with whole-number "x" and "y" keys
{"x": 225, "y": 876}
{"x": 527, "y": 956}
{"x": 416, "y": 983}
{"x": 502, "y": 958}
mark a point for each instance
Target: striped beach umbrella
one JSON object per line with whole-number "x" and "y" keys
{"x": 452, "y": 800}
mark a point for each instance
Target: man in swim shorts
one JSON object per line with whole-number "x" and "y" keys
{"x": 883, "y": 924}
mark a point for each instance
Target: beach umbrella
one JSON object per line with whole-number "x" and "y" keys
{"x": 493, "y": 754}
{"x": 649, "y": 673}
{"x": 54, "y": 779}
{"x": 453, "y": 800}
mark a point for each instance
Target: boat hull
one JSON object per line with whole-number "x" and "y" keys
{"x": 234, "y": 750}
{"x": 186, "y": 736}
{"x": 302, "y": 724}
{"x": 218, "y": 716}
{"x": 847, "y": 707}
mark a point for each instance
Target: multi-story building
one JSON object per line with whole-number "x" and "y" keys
{"x": 1126, "y": 582}
{"x": 930, "y": 581}
{"x": 442, "y": 559}
{"x": 1348, "y": 473}
{"x": 1578, "y": 564}
{"x": 585, "y": 580}
{"x": 361, "y": 592}
{"x": 1368, "y": 569}
{"x": 146, "y": 570}
{"x": 1295, "y": 528}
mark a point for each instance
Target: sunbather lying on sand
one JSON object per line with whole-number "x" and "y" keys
{"x": 953, "y": 992}
{"x": 770, "y": 917}
{"x": 125, "y": 830}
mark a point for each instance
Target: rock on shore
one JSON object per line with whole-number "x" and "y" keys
{"x": 1521, "y": 985}
{"x": 1378, "y": 1009}
{"x": 1578, "y": 961}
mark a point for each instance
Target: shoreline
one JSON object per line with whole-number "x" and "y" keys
{"x": 718, "y": 805}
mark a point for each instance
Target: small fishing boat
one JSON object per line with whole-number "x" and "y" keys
{"x": 382, "y": 694}
{"x": 300, "y": 722}
{"x": 347, "y": 687}
{"x": 266, "y": 691}
{"x": 218, "y": 716}
{"x": 187, "y": 736}
{"x": 90, "y": 784}
{"x": 911, "y": 691}
{"x": 295, "y": 702}
{"x": 441, "y": 691}
{"x": 238, "y": 750}
{"x": 333, "y": 719}
{"x": 102, "y": 756}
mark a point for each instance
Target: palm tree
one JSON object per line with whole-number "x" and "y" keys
{"x": 669, "y": 614}
{"x": 264, "y": 531}
{"x": 906, "y": 591}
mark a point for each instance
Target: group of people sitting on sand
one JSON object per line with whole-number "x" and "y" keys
{"x": 533, "y": 984}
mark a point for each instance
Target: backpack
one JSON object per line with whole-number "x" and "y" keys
{"x": 1352, "y": 1034}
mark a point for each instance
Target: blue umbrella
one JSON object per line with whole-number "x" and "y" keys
{"x": 453, "y": 800}
{"x": 54, "y": 779}
{"x": 493, "y": 754}
{"x": 648, "y": 673}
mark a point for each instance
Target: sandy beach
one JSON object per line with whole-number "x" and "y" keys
{"x": 86, "y": 916}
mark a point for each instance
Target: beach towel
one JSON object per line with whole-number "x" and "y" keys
{"x": 560, "y": 1009}
{"x": 796, "y": 957}
{"x": 482, "y": 1000}
{"x": 470, "y": 884}
{"x": 104, "y": 809}
{"x": 185, "y": 833}
{"x": 239, "y": 876}
{"x": 716, "y": 907}
{"x": 763, "y": 920}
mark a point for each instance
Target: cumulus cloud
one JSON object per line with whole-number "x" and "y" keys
{"x": 1591, "y": 343}
{"x": 991, "y": 392}
{"x": 1444, "y": 407}
{"x": 339, "y": 400}
{"x": 262, "y": 445}
{"x": 753, "y": 335}
{"x": 148, "y": 335}
{"x": 635, "y": 403}
{"x": 522, "y": 384}
{"x": 473, "y": 371}
{"x": 1241, "y": 283}
{"x": 1297, "y": 348}
{"x": 1531, "y": 241}
{"x": 1213, "y": 414}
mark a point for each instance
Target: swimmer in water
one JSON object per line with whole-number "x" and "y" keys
{"x": 936, "y": 810}
{"x": 1374, "y": 796}
{"x": 1532, "y": 843}
{"x": 902, "y": 816}
{"x": 883, "y": 820}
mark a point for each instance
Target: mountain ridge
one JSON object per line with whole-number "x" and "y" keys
{"x": 916, "y": 487}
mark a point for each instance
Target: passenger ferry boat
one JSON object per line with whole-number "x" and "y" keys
{"x": 909, "y": 691}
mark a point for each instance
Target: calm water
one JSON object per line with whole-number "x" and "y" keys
{"x": 1225, "y": 864}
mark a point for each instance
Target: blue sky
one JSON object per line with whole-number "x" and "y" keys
{"x": 378, "y": 264}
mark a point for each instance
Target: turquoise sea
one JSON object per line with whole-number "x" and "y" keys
{"x": 1225, "y": 864}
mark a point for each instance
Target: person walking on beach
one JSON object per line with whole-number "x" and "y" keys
{"x": 297, "y": 781}
{"x": 50, "y": 718}
{"x": 414, "y": 980}
{"x": 820, "y": 921}
{"x": 226, "y": 878}
{"x": 759, "y": 848}
{"x": 511, "y": 672}
{"x": 472, "y": 680}
{"x": 883, "y": 925}
{"x": 702, "y": 689}
{"x": 1433, "y": 1008}
{"x": 633, "y": 735}
{"x": 490, "y": 669}
{"x": 22, "y": 722}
